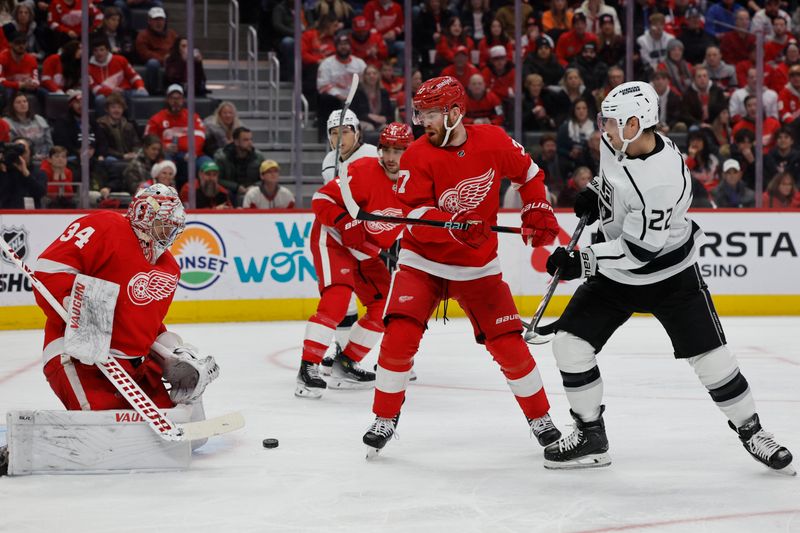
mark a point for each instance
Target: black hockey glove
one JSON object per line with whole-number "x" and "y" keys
{"x": 573, "y": 265}
{"x": 586, "y": 203}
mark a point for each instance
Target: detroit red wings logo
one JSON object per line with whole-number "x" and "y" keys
{"x": 375, "y": 226}
{"x": 468, "y": 194}
{"x": 146, "y": 287}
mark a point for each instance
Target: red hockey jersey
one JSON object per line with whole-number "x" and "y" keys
{"x": 385, "y": 19}
{"x": 459, "y": 178}
{"x": 172, "y": 128}
{"x": 12, "y": 72}
{"x": 66, "y": 18}
{"x": 103, "y": 245}
{"x": 116, "y": 74}
{"x": 372, "y": 190}
{"x": 53, "y": 74}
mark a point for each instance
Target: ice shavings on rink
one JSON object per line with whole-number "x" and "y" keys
{"x": 463, "y": 461}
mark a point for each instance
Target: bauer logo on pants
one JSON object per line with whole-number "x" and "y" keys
{"x": 200, "y": 252}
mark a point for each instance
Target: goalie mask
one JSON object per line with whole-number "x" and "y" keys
{"x": 157, "y": 218}
{"x": 632, "y": 99}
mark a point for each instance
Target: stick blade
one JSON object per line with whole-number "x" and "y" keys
{"x": 211, "y": 427}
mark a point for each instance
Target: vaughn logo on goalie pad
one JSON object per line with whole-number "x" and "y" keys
{"x": 17, "y": 239}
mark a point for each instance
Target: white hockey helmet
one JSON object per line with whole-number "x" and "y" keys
{"x": 632, "y": 99}
{"x": 350, "y": 119}
{"x": 157, "y": 218}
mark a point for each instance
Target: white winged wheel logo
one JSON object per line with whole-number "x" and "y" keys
{"x": 375, "y": 226}
{"x": 145, "y": 287}
{"x": 468, "y": 194}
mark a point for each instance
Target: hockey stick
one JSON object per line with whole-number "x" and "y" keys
{"x": 127, "y": 387}
{"x": 345, "y": 107}
{"x": 531, "y": 335}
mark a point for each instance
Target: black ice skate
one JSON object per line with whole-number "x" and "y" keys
{"x": 585, "y": 447}
{"x": 309, "y": 382}
{"x": 327, "y": 361}
{"x": 762, "y": 446}
{"x": 379, "y": 434}
{"x": 544, "y": 430}
{"x": 348, "y": 374}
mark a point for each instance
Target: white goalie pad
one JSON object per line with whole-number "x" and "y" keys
{"x": 90, "y": 318}
{"x": 92, "y": 442}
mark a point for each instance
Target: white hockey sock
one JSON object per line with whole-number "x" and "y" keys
{"x": 582, "y": 382}
{"x": 719, "y": 372}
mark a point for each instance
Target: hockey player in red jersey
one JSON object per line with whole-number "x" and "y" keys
{"x": 346, "y": 260}
{"x": 453, "y": 173}
{"x": 132, "y": 251}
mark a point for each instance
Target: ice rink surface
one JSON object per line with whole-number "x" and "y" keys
{"x": 463, "y": 461}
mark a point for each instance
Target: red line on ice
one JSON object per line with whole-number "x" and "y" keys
{"x": 649, "y": 525}
{"x": 21, "y": 370}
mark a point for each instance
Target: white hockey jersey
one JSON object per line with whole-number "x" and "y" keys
{"x": 365, "y": 150}
{"x": 643, "y": 213}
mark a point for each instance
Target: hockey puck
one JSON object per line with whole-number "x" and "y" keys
{"x": 270, "y": 443}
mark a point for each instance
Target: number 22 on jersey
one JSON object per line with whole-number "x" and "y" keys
{"x": 81, "y": 237}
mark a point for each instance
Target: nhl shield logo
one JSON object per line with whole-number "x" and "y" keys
{"x": 17, "y": 239}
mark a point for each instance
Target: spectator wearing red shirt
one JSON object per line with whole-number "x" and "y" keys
{"x": 571, "y": 43}
{"x": 781, "y": 193}
{"x": 499, "y": 73}
{"x": 59, "y": 179}
{"x": 748, "y": 122}
{"x": 779, "y": 77}
{"x": 19, "y": 71}
{"x": 452, "y": 37}
{"x": 109, "y": 73}
{"x": 391, "y": 82}
{"x": 461, "y": 69}
{"x": 366, "y": 44}
{"x": 62, "y": 71}
{"x": 483, "y": 107}
{"x": 773, "y": 47}
{"x": 153, "y": 45}
{"x": 736, "y": 45}
{"x": 387, "y": 18}
{"x": 789, "y": 97}
{"x": 64, "y": 18}
{"x": 497, "y": 37}
{"x": 171, "y": 126}
{"x": 316, "y": 44}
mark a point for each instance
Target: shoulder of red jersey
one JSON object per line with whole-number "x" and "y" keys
{"x": 364, "y": 164}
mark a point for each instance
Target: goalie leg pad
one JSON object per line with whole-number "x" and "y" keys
{"x": 580, "y": 375}
{"x": 84, "y": 442}
{"x": 719, "y": 372}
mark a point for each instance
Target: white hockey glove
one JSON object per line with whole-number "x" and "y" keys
{"x": 90, "y": 319}
{"x": 187, "y": 373}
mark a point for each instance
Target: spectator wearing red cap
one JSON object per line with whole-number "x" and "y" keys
{"x": 496, "y": 37}
{"x": 461, "y": 69}
{"x": 694, "y": 37}
{"x": 499, "y": 73}
{"x": 366, "y": 44}
{"x": 736, "y": 45}
{"x": 64, "y": 19}
{"x": 452, "y": 37}
{"x": 571, "y": 43}
{"x": 483, "y": 106}
{"x": 594, "y": 9}
{"x": 611, "y": 48}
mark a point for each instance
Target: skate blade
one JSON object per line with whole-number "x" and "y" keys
{"x": 372, "y": 453}
{"x": 412, "y": 376}
{"x": 590, "y": 461}
{"x": 346, "y": 384}
{"x": 534, "y": 338}
{"x": 305, "y": 392}
{"x": 787, "y": 470}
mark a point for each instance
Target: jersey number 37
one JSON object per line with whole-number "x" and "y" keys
{"x": 81, "y": 237}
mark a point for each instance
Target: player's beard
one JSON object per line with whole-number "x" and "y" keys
{"x": 435, "y": 135}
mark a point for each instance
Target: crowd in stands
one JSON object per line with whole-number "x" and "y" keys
{"x": 698, "y": 54}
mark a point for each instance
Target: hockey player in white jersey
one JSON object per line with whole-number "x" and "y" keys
{"x": 352, "y": 149}
{"x": 645, "y": 262}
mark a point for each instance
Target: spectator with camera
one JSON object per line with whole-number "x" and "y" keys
{"x": 24, "y": 123}
{"x": 20, "y": 187}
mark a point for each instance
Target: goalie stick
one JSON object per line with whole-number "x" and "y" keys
{"x": 128, "y": 388}
{"x": 531, "y": 335}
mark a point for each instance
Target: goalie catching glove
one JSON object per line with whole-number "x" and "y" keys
{"x": 187, "y": 373}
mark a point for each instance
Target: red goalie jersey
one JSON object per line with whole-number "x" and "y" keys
{"x": 468, "y": 178}
{"x": 103, "y": 245}
{"x": 373, "y": 191}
